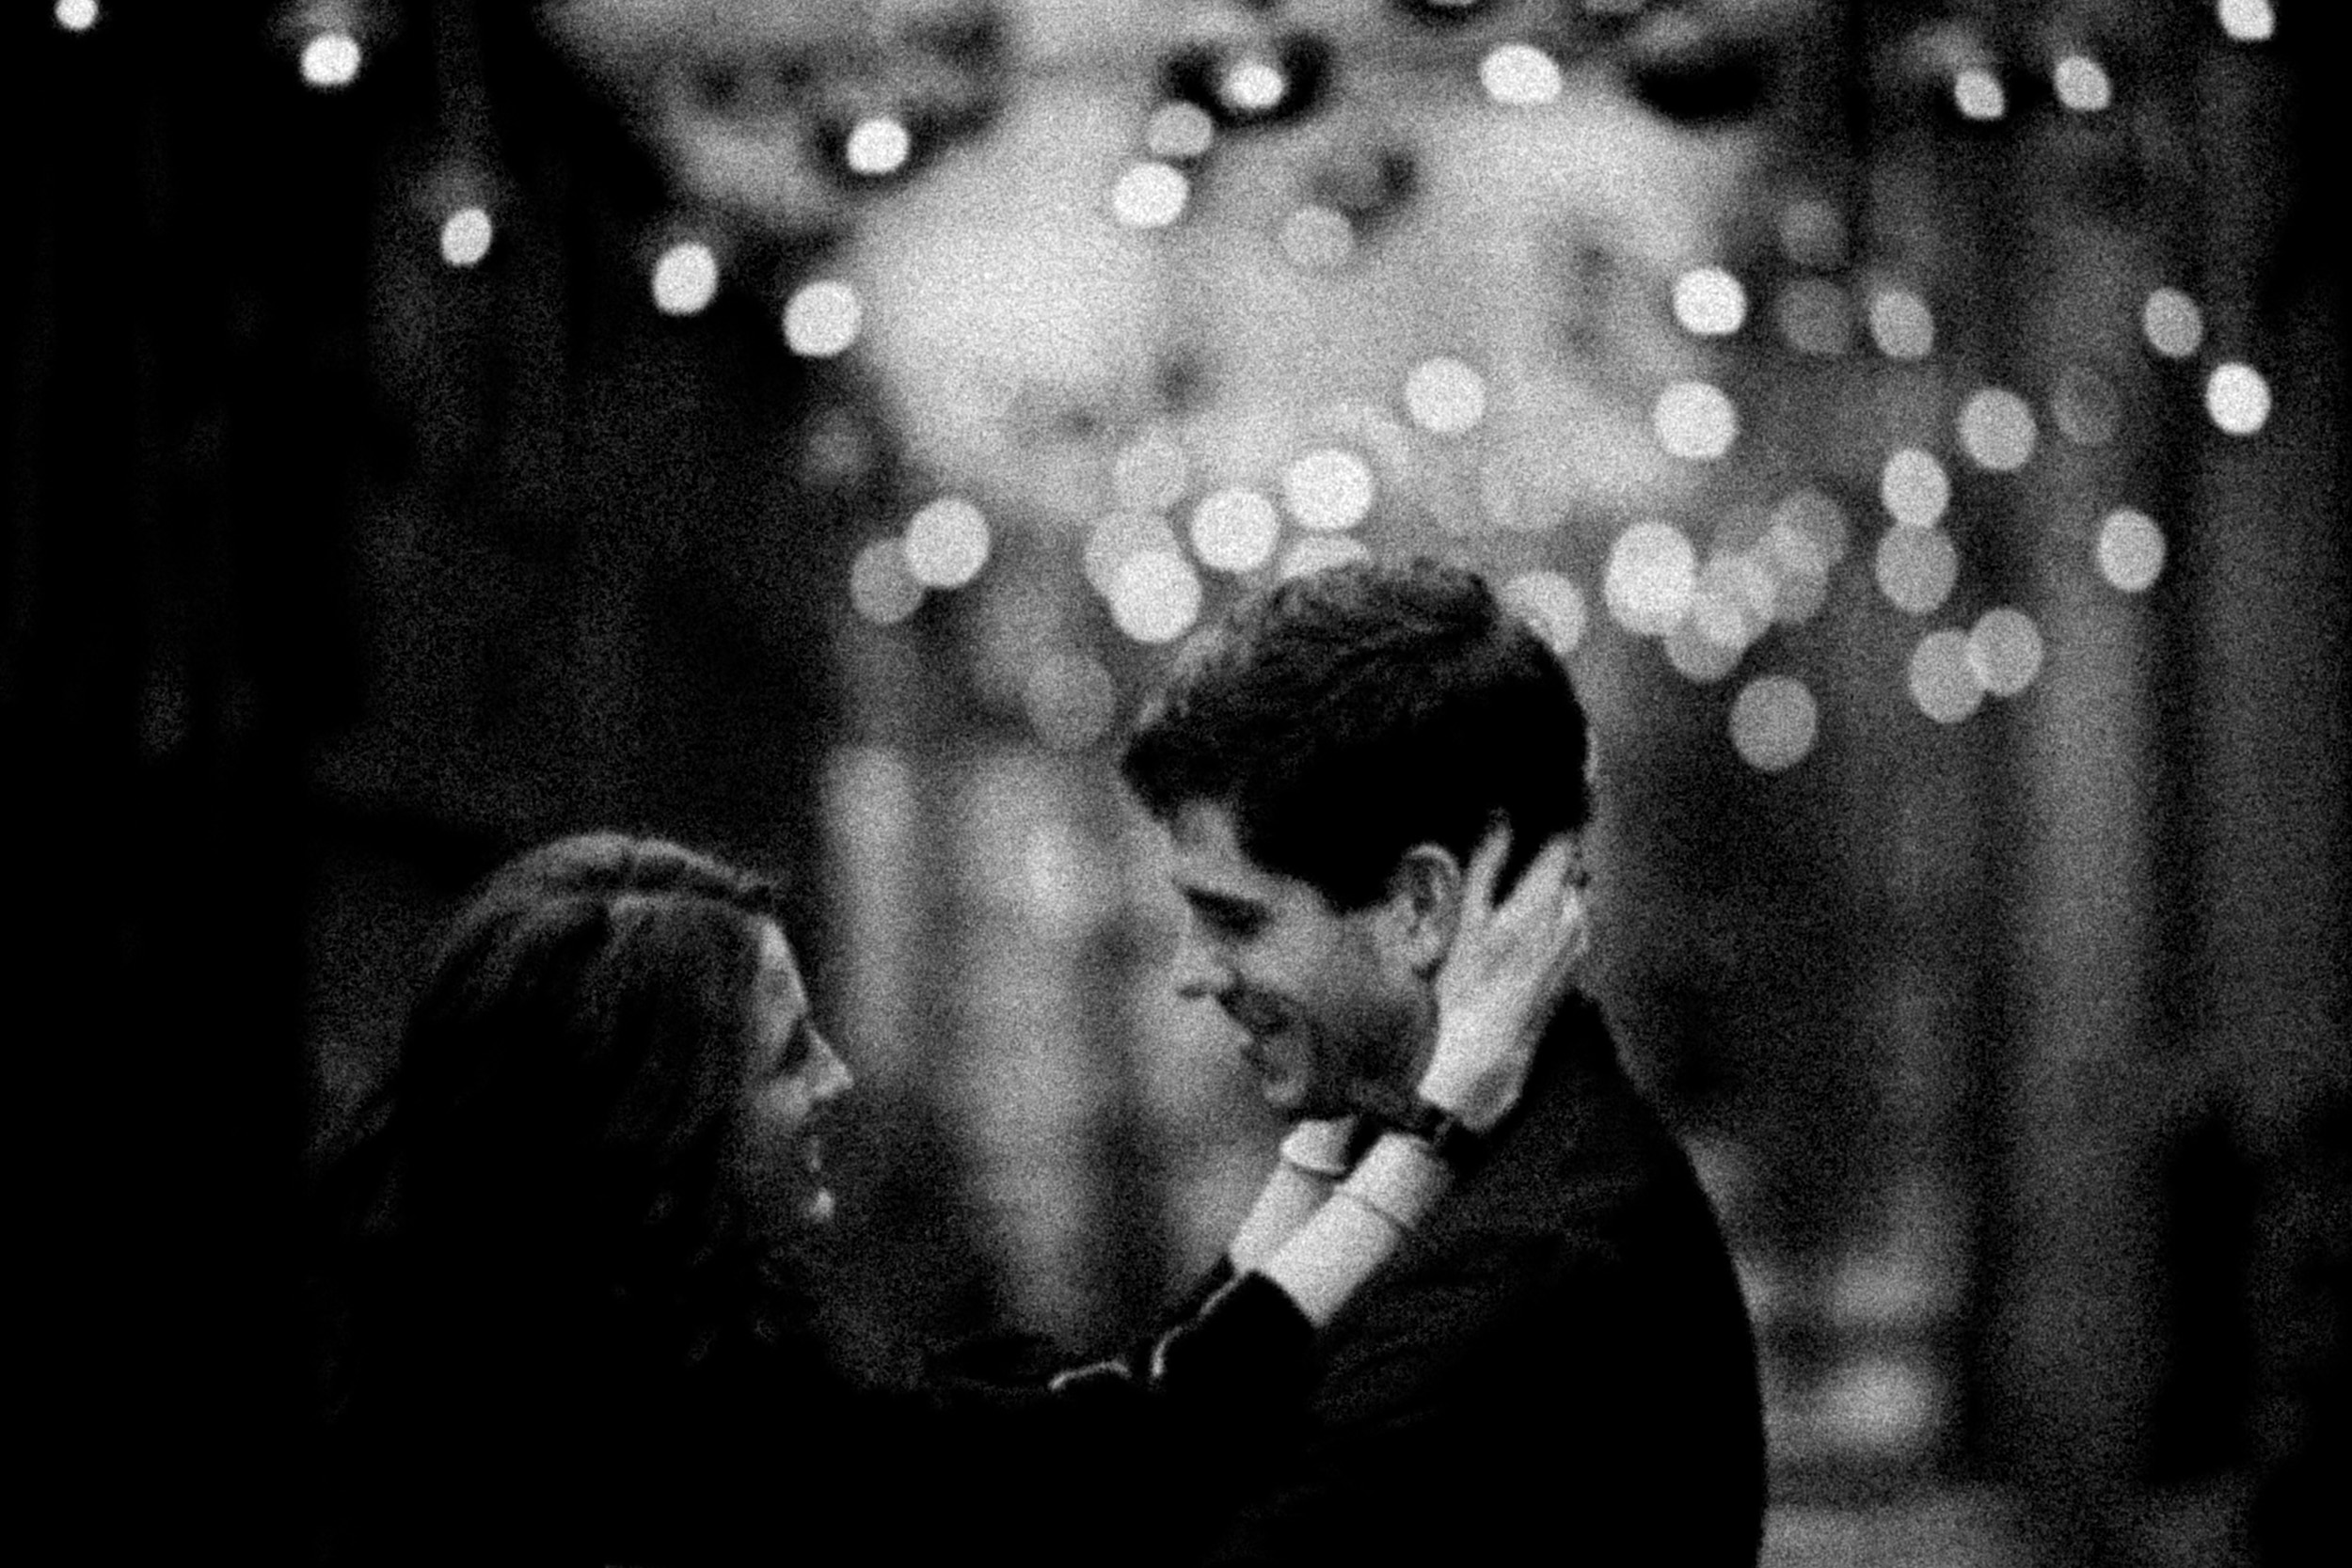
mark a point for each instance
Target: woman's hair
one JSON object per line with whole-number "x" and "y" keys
{"x": 546, "y": 1225}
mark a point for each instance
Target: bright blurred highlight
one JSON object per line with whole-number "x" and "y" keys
{"x": 946, "y": 543}
{"x": 1327, "y": 489}
{"x": 685, "y": 278}
{"x": 1150, "y": 194}
{"x": 1650, "y": 580}
{"x": 1710, "y": 301}
{"x": 2083, "y": 85}
{"x": 465, "y": 235}
{"x": 1445, "y": 396}
{"x": 1997, "y": 430}
{"x": 876, "y": 147}
{"x": 330, "y": 59}
{"x": 76, "y": 16}
{"x": 1115, "y": 539}
{"x": 1901, "y": 324}
{"x": 1155, "y": 596}
{"x": 823, "y": 319}
{"x": 1695, "y": 419}
{"x": 1774, "y": 722}
{"x": 1179, "y": 129}
{"x": 1235, "y": 530}
{"x": 2005, "y": 651}
{"x": 2130, "y": 550}
{"x": 1253, "y": 86}
{"x": 1979, "y": 95}
{"x": 880, "y": 588}
{"x": 2238, "y": 398}
{"x": 1917, "y": 568}
{"x": 2172, "y": 322}
{"x": 1943, "y": 683}
{"x": 2248, "y": 20}
{"x": 1914, "y": 487}
{"x": 1519, "y": 75}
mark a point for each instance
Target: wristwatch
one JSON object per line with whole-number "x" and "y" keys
{"x": 1449, "y": 1137}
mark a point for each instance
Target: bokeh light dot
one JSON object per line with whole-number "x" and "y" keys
{"x": 1979, "y": 95}
{"x": 1235, "y": 530}
{"x": 1695, "y": 657}
{"x": 1902, "y": 323}
{"x": 2172, "y": 323}
{"x": 330, "y": 59}
{"x": 1151, "y": 194}
{"x": 1553, "y": 604}
{"x": 1179, "y": 129}
{"x": 1914, "y": 487}
{"x": 1998, "y": 429}
{"x": 1710, "y": 301}
{"x": 465, "y": 235}
{"x": 1943, "y": 684}
{"x": 2238, "y": 398}
{"x": 1253, "y": 86}
{"x": 76, "y": 16}
{"x": 1650, "y": 578}
{"x": 1114, "y": 539}
{"x": 2005, "y": 651}
{"x": 880, "y": 588}
{"x": 2082, "y": 85}
{"x": 1733, "y": 602}
{"x": 1917, "y": 568}
{"x": 1445, "y": 396}
{"x": 823, "y": 319}
{"x": 2130, "y": 550}
{"x": 1328, "y": 489}
{"x": 877, "y": 145}
{"x": 1155, "y": 596}
{"x": 1774, "y": 722}
{"x": 686, "y": 278}
{"x": 946, "y": 543}
{"x": 1519, "y": 75}
{"x": 2248, "y": 20}
{"x": 1695, "y": 419}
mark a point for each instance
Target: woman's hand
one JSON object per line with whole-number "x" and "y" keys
{"x": 1504, "y": 979}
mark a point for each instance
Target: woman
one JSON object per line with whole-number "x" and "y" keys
{"x": 574, "y": 1329}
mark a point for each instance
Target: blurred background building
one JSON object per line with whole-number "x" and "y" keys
{"x": 803, "y": 427}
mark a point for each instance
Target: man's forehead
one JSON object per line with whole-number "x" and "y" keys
{"x": 1209, "y": 863}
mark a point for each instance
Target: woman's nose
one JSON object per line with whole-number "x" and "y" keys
{"x": 1199, "y": 974}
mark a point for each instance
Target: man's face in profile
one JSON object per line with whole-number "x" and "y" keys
{"x": 1323, "y": 1000}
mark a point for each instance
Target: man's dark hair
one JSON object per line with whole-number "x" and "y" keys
{"x": 1345, "y": 716}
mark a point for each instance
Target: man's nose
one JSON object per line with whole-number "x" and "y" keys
{"x": 832, "y": 1077}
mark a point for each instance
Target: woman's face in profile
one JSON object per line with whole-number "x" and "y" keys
{"x": 794, "y": 1075}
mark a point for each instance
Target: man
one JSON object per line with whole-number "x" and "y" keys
{"x": 1557, "y": 1362}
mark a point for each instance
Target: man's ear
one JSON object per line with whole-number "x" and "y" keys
{"x": 1424, "y": 902}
